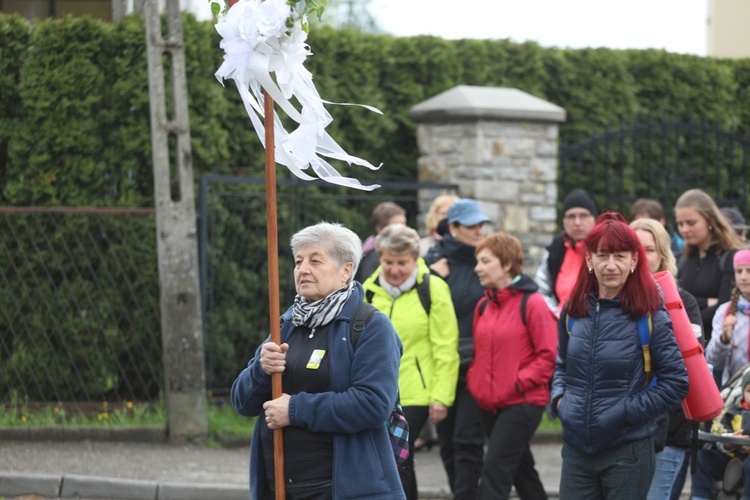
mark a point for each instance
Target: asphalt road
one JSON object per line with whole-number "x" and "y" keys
{"x": 163, "y": 471}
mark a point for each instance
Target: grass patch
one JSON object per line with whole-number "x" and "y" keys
{"x": 128, "y": 413}
{"x": 224, "y": 424}
{"x": 549, "y": 425}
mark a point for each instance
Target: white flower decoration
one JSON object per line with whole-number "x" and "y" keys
{"x": 272, "y": 16}
{"x": 258, "y": 42}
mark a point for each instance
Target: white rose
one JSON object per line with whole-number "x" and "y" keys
{"x": 272, "y": 16}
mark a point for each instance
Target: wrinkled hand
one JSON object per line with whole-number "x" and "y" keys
{"x": 273, "y": 357}
{"x": 437, "y": 412}
{"x": 277, "y": 411}
{"x": 441, "y": 267}
{"x": 727, "y": 328}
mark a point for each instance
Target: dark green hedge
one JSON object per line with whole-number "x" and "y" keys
{"x": 74, "y": 128}
{"x": 74, "y": 99}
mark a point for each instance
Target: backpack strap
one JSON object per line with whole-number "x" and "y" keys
{"x": 569, "y": 323}
{"x": 484, "y": 301}
{"x": 645, "y": 326}
{"x": 423, "y": 290}
{"x": 524, "y": 299}
{"x": 483, "y": 304}
{"x": 361, "y": 317}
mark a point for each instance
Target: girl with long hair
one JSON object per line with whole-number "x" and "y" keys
{"x": 728, "y": 348}
{"x": 705, "y": 266}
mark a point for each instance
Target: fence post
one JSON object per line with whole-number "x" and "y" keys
{"x": 500, "y": 146}
{"x": 176, "y": 235}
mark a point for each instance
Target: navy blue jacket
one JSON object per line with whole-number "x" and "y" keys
{"x": 465, "y": 290}
{"x": 599, "y": 374}
{"x": 363, "y": 389}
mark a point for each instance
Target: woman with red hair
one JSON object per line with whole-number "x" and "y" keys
{"x": 601, "y": 390}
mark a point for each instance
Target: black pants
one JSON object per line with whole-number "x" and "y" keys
{"x": 509, "y": 460}
{"x": 416, "y": 416}
{"x": 309, "y": 490}
{"x": 462, "y": 444}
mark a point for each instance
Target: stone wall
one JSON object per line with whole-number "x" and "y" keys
{"x": 507, "y": 163}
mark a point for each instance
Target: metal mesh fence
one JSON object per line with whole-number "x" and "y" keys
{"x": 660, "y": 160}
{"x": 79, "y": 291}
{"x": 234, "y": 269}
{"x": 79, "y": 320}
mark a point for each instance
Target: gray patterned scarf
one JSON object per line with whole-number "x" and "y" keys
{"x": 321, "y": 312}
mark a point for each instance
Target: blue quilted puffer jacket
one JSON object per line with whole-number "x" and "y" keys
{"x": 600, "y": 376}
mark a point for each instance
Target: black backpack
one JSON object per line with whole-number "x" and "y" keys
{"x": 398, "y": 426}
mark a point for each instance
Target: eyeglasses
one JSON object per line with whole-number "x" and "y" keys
{"x": 574, "y": 217}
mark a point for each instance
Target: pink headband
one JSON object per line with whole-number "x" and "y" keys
{"x": 742, "y": 258}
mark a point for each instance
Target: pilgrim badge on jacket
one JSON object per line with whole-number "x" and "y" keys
{"x": 315, "y": 358}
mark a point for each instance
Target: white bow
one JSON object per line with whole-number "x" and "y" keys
{"x": 258, "y": 41}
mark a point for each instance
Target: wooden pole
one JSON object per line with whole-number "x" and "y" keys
{"x": 272, "y": 235}
{"x": 274, "y": 313}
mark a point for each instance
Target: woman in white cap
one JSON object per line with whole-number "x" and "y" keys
{"x": 460, "y": 433}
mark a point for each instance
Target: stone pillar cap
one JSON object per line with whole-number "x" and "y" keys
{"x": 470, "y": 103}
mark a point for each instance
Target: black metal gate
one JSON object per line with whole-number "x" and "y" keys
{"x": 233, "y": 253}
{"x": 659, "y": 160}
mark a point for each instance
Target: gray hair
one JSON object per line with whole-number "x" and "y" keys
{"x": 339, "y": 242}
{"x": 398, "y": 239}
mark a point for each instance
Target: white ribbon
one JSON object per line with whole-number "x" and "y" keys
{"x": 257, "y": 43}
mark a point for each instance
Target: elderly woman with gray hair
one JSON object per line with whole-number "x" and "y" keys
{"x": 336, "y": 396}
{"x": 421, "y": 310}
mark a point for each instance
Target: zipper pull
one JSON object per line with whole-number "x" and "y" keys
{"x": 312, "y": 332}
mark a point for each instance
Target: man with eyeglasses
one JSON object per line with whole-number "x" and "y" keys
{"x": 561, "y": 261}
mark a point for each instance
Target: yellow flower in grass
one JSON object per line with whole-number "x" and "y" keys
{"x": 102, "y": 416}
{"x": 130, "y": 405}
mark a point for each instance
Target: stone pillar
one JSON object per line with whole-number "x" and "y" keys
{"x": 500, "y": 146}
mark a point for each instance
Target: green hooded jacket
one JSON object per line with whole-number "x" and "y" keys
{"x": 429, "y": 365}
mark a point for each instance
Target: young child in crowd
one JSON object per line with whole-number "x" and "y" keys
{"x": 728, "y": 347}
{"x": 713, "y": 463}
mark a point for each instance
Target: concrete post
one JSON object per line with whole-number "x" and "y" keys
{"x": 500, "y": 146}
{"x": 181, "y": 325}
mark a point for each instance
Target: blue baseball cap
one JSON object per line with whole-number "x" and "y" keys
{"x": 466, "y": 212}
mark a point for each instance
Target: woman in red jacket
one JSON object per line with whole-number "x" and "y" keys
{"x": 515, "y": 344}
